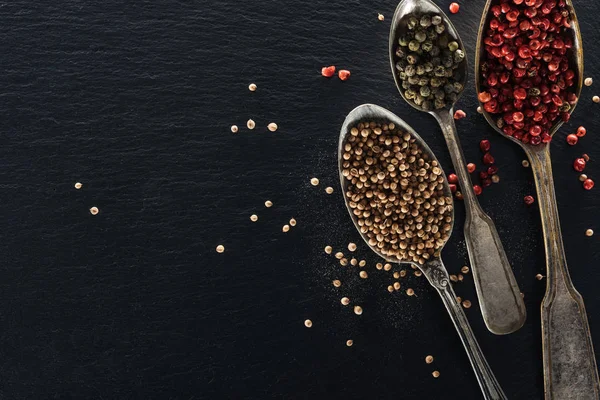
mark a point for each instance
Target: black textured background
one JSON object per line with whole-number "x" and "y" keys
{"x": 135, "y": 100}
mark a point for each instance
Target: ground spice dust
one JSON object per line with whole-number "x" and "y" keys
{"x": 396, "y": 192}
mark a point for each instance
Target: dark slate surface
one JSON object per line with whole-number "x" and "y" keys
{"x": 135, "y": 100}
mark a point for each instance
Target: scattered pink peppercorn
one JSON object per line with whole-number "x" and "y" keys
{"x": 452, "y": 178}
{"x": 328, "y": 72}
{"x": 579, "y": 164}
{"x": 452, "y": 187}
{"x": 486, "y": 182}
{"x": 529, "y": 200}
{"x": 488, "y": 159}
{"x": 477, "y": 189}
{"x": 344, "y": 74}
{"x": 492, "y": 170}
{"x": 588, "y": 184}
{"x": 483, "y": 175}
{"x": 572, "y": 139}
{"x": 471, "y": 167}
{"x": 459, "y": 114}
{"x": 454, "y": 7}
{"x": 484, "y": 145}
{"x": 581, "y": 131}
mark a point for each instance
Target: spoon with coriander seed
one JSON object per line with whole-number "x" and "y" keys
{"x": 400, "y": 202}
{"x": 543, "y": 88}
{"x": 430, "y": 70}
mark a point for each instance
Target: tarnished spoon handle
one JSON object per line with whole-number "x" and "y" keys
{"x": 570, "y": 370}
{"x": 499, "y": 296}
{"x": 438, "y": 278}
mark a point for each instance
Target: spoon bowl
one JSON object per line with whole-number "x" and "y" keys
{"x": 500, "y": 300}
{"x": 433, "y": 268}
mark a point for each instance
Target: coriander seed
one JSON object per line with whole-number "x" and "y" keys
{"x": 272, "y": 127}
{"x": 328, "y": 249}
{"x": 234, "y": 128}
{"x": 582, "y": 177}
{"x": 588, "y": 81}
{"x": 589, "y": 232}
{"x": 314, "y": 181}
{"x": 390, "y": 288}
{"x": 285, "y": 228}
{"x": 436, "y": 374}
{"x": 78, "y": 185}
{"x": 362, "y": 263}
{"x": 379, "y": 266}
{"x": 308, "y": 323}
{"x": 464, "y": 270}
{"x": 453, "y": 278}
{"x": 292, "y": 222}
{"x": 397, "y": 286}
{"x": 466, "y": 304}
{"x": 596, "y": 99}
{"x": 351, "y": 246}
{"x": 268, "y": 203}
{"x": 458, "y": 299}
{"x": 380, "y": 17}
{"x": 345, "y": 301}
{"x": 339, "y": 255}
{"x": 418, "y": 273}
{"x": 539, "y": 277}
{"x": 94, "y": 210}
{"x": 363, "y": 274}
{"x": 251, "y": 124}
{"x": 460, "y": 277}
{"x": 353, "y": 262}
{"x": 254, "y": 218}
{"x": 358, "y": 310}
{"x": 252, "y": 87}
{"x": 402, "y": 273}
{"x": 344, "y": 262}
{"x": 337, "y": 283}
{"x": 387, "y": 267}
{"x": 329, "y": 190}
{"x": 495, "y": 178}
{"x": 525, "y": 163}
{"x": 220, "y": 248}
{"x": 429, "y": 359}
{"x": 410, "y": 292}
{"x": 349, "y": 342}
{"x": 396, "y": 275}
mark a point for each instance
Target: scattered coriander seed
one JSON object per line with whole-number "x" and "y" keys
{"x": 328, "y": 249}
{"x": 358, "y": 310}
{"x": 402, "y": 273}
{"x": 344, "y": 262}
{"x": 410, "y": 292}
{"x": 234, "y": 128}
{"x": 525, "y": 163}
{"x": 464, "y": 270}
{"x": 588, "y": 81}
{"x": 337, "y": 283}
{"x": 308, "y": 323}
{"x": 353, "y": 262}
{"x": 380, "y": 17}
{"x": 251, "y": 124}
{"x": 396, "y": 275}
{"x": 292, "y": 222}
{"x": 268, "y": 203}
{"x": 589, "y": 232}
{"x": 379, "y": 266}
{"x": 329, "y": 190}
{"x": 495, "y": 178}
{"x": 460, "y": 277}
{"x": 418, "y": 273}
{"x": 479, "y": 110}
{"x": 453, "y": 278}
{"x": 596, "y": 99}
{"x": 252, "y": 87}
{"x": 582, "y": 177}
{"x": 94, "y": 210}
{"x": 272, "y": 127}
{"x": 397, "y": 286}
{"x": 78, "y": 185}
{"x": 363, "y": 274}
{"x": 345, "y": 301}
{"x": 285, "y": 228}
{"x": 387, "y": 267}
{"x": 351, "y": 246}
{"x": 314, "y": 181}
{"x": 466, "y": 304}
{"x": 254, "y": 218}
{"x": 458, "y": 299}
{"x": 390, "y": 288}
{"x": 539, "y": 277}
{"x": 339, "y": 255}
{"x": 436, "y": 374}
{"x": 349, "y": 343}
{"x": 429, "y": 359}
{"x": 220, "y": 248}
{"x": 362, "y": 263}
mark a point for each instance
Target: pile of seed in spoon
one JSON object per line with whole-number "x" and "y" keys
{"x": 426, "y": 62}
{"x": 396, "y": 192}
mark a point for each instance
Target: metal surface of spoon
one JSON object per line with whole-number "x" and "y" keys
{"x": 499, "y": 296}
{"x": 433, "y": 269}
{"x": 570, "y": 370}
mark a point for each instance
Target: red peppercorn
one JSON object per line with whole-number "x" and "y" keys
{"x": 520, "y": 94}
{"x": 452, "y": 178}
{"x": 484, "y": 97}
{"x": 488, "y": 159}
{"x": 452, "y": 187}
{"x": 459, "y": 114}
{"x": 492, "y": 170}
{"x": 572, "y": 139}
{"x": 483, "y": 175}
{"x": 328, "y": 72}
{"x": 484, "y": 145}
{"x": 471, "y": 167}
{"x": 344, "y": 74}
{"x": 529, "y": 200}
{"x": 581, "y": 131}
{"x": 477, "y": 189}
{"x": 588, "y": 184}
{"x": 486, "y": 182}
{"x": 579, "y": 164}
{"x": 454, "y": 7}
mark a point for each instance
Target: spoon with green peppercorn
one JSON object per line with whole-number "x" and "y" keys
{"x": 430, "y": 70}
{"x": 400, "y": 202}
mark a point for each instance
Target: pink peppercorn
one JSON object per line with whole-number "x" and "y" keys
{"x": 581, "y": 131}
{"x": 459, "y": 114}
{"x": 328, "y": 72}
{"x": 452, "y": 187}
{"x": 344, "y": 74}
{"x": 452, "y": 178}
{"x": 488, "y": 159}
{"x": 572, "y": 139}
{"x": 454, "y": 7}
{"x": 471, "y": 167}
{"x": 579, "y": 164}
{"x": 588, "y": 184}
{"x": 529, "y": 200}
{"x": 484, "y": 145}
{"x": 492, "y": 170}
{"x": 477, "y": 189}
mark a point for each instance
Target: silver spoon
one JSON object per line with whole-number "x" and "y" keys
{"x": 570, "y": 370}
{"x": 433, "y": 269}
{"x": 499, "y": 296}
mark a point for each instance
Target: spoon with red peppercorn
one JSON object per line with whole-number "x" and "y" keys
{"x": 499, "y": 296}
{"x": 529, "y": 75}
{"x": 404, "y": 209}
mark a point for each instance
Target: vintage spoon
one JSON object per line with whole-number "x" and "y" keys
{"x": 433, "y": 269}
{"x": 570, "y": 370}
{"x": 499, "y": 296}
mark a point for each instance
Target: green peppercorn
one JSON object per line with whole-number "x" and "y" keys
{"x": 439, "y": 71}
{"x": 419, "y": 99}
{"x": 421, "y": 36}
{"x": 439, "y": 103}
{"x": 410, "y": 94}
{"x": 447, "y": 62}
{"x": 426, "y": 105}
{"x": 566, "y": 107}
{"x": 423, "y": 81}
{"x": 449, "y": 88}
{"x": 431, "y": 35}
{"x": 425, "y": 91}
{"x": 412, "y": 23}
{"x": 436, "y": 20}
{"x": 449, "y": 72}
{"x": 453, "y": 46}
{"x": 413, "y": 80}
{"x": 412, "y": 58}
{"x": 459, "y": 55}
{"x": 427, "y": 46}
{"x": 439, "y": 29}
{"x": 428, "y": 66}
{"x": 452, "y": 97}
{"x": 410, "y": 70}
{"x": 403, "y": 41}
{"x": 439, "y": 94}
{"x": 534, "y": 92}
{"x": 458, "y": 87}
{"x": 425, "y": 21}
{"x": 401, "y": 52}
{"x": 405, "y": 84}
{"x": 435, "y": 51}
{"x": 500, "y": 123}
{"x": 443, "y": 40}
{"x": 420, "y": 69}
{"x": 414, "y": 45}
{"x": 436, "y": 82}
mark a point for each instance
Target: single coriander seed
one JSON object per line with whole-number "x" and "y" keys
{"x": 254, "y": 218}
{"x": 453, "y": 278}
{"x": 344, "y": 262}
{"x": 220, "y": 248}
{"x": 380, "y": 17}
{"x": 396, "y": 275}
{"x": 410, "y": 292}
{"x": 464, "y": 270}
{"x": 329, "y": 190}
{"x": 582, "y": 177}
{"x": 268, "y": 203}
{"x": 285, "y": 228}
{"x": 352, "y": 246}
{"x": 358, "y": 310}
{"x": 339, "y": 255}
{"x": 466, "y": 304}
{"x": 429, "y": 359}
{"x": 345, "y": 301}
{"x": 525, "y": 163}
{"x": 292, "y": 222}
{"x": 379, "y": 266}
{"x": 78, "y": 185}
{"x": 495, "y": 178}
{"x": 251, "y": 124}
{"x": 458, "y": 299}
{"x": 308, "y": 323}
{"x": 234, "y": 128}
{"x": 328, "y": 249}
{"x": 397, "y": 286}
{"x": 337, "y": 283}
{"x": 353, "y": 262}
{"x": 252, "y": 87}
{"x": 436, "y": 374}
{"x": 314, "y": 181}
{"x": 479, "y": 110}
{"x": 390, "y": 288}
{"x": 387, "y": 267}
{"x": 418, "y": 273}
{"x": 539, "y": 277}
{"x": 272, "y": 127}
{"x": 460, "y": 277}
{"x": 589, "y": 232}
{"x": 596, "y": 99}
{"x": 349, "y": 343}
{"x": 402, "y": 273}
{"x": 588, "y": 81}
{"x": 363, "y": 274}
{"x": 362, "y": 263}
{"x": 94, "y": 210}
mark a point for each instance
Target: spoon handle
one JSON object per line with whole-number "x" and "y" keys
{"x": 570, "y": 370}
{"x": 499, "y": 296}
{"x": 438, "y": 278}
